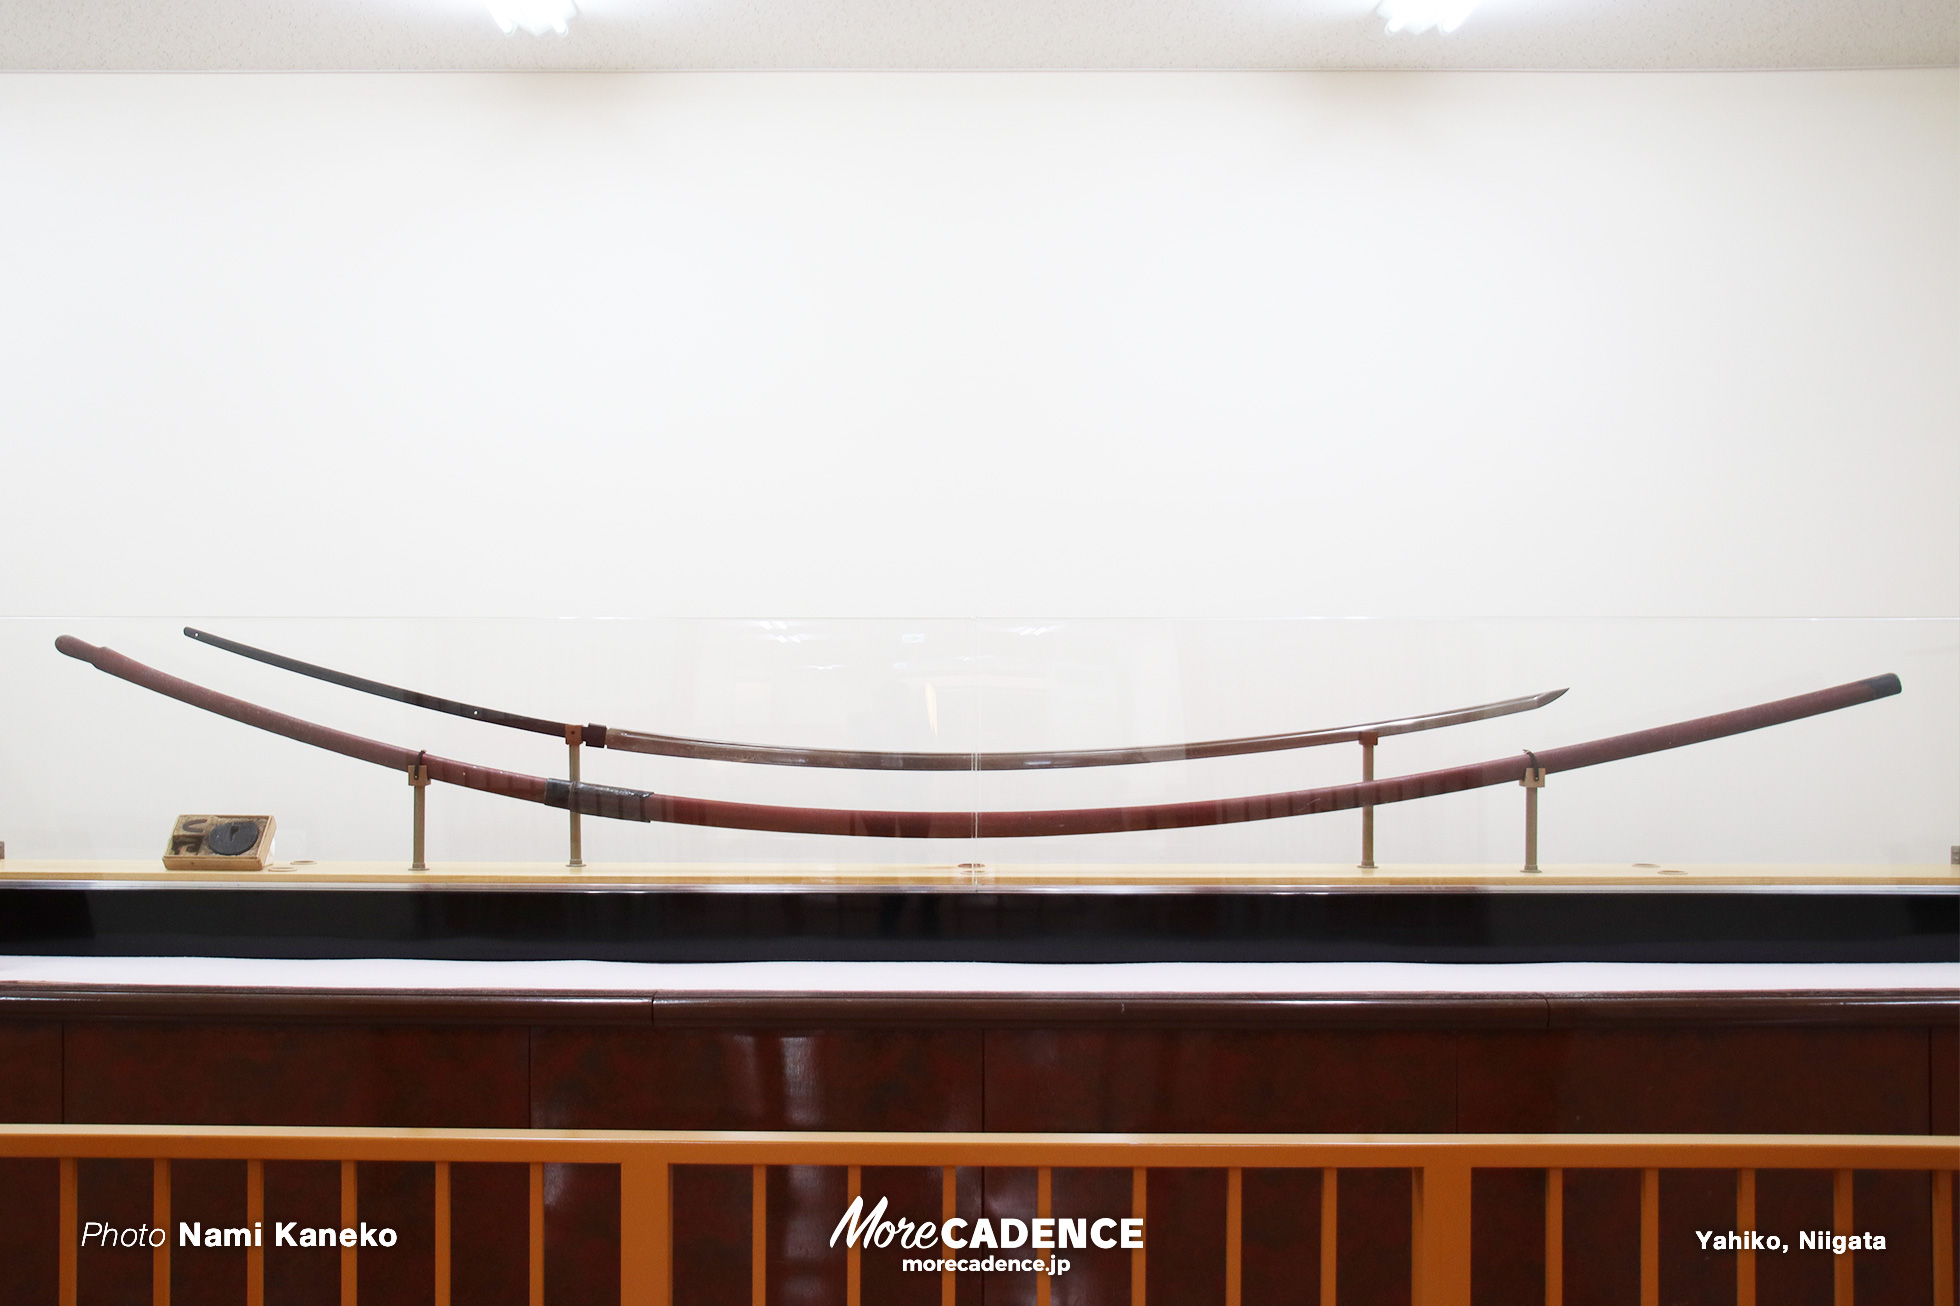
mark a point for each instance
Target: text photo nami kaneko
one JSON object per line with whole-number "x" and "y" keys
{"x": 285, "y": 1233}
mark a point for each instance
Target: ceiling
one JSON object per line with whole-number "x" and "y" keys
{"x": 974, "y": 34}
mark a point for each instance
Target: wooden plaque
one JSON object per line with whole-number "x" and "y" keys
{"x": 219, "y": 843}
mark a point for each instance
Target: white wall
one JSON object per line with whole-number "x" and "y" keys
{"x": 943, "y": 344}
{"x": 1272, "y": 345}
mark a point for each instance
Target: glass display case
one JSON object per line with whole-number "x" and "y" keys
{"x": 1087, "y": 761}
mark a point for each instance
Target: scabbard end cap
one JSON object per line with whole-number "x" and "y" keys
{"x": 76, "y": 648}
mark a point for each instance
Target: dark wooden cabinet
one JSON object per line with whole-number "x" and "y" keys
{"x": 1754, "y": 1063}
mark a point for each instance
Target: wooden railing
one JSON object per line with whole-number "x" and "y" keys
{"x": 1440, "y": 1165}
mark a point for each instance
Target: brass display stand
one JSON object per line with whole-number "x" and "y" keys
{"x": 418, "y": 780}
{"x": 575, "y": 861}
{"x": 1368, "y": 743}
{"x": 1534, "y": 780}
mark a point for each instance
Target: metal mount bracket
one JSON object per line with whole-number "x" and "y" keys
{"x": 418, "y": 779}
{"x": 576, "y": 861}
{"x": 1368, "y": 743}
{"x": 1534, "y": 780}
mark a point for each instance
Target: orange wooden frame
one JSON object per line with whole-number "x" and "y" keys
{"x": 1441, "y": 1166}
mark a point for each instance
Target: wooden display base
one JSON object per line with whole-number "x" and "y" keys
{"x": 986, "y": 913}
{"x": 1115, "y": 875}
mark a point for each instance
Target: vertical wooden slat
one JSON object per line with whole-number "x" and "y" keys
{"x": 1555, "y": 1237}
{"x": 350, "y": 1207}
{"x": 853, "y": 1259}
{"x": 1417, "y": 1296}
{"x": 443, "y": 1238}
{"x": 1139, "y": 1199}
{"x": 646, "y": 1231}
{"x": 1943, "y": 1238}
{"x": 1044, "y": 1207}
{"x": 758, "y": 1235}
{"x": 1841, "y": 1282}
{"x": 536, "y": 1226}
{"x": 949, "y": 1190}
{"x": 1234, "y": 1229}
{"x": 1330, "y": 1229}
{"x": 160, "y": 1219}
{"x": 70, "y": 1234}
{"x": 1745, "y": 1222}
{"x": 1442, "y": 1235}
{"x": 255, "y": 1216}
{"x": 1650, "y": 1237}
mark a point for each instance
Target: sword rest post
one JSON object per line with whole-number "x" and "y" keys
{"x": 418, "y": 779}
{"x": 1534, "y": 780}
{"x": 1368, "y": 742}
{"x": 574, "y": 735}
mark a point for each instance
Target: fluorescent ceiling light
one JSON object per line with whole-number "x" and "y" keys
{"x": 1421, "y": 15}
{"x": 535, "y": 16}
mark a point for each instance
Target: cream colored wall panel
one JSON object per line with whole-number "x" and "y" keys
{"x": 1097, "y": 344}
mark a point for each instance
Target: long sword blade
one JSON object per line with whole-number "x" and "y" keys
{"x": 413, "y": 698}
{"x": 641, "y": 805}
{"x": 716, "y": 750}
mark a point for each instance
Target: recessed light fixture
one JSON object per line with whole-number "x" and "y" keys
{"x": 535, "y": 16}
{"x": 1421, "y": 15}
